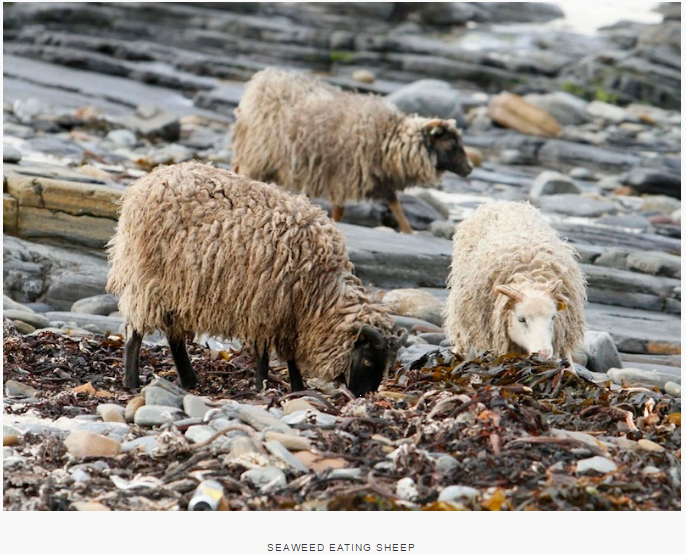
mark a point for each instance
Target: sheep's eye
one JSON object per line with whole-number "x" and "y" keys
{"x": 367, "y": 363}
{"x": 521, "y": 319}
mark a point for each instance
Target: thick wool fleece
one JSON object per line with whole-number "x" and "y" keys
{"x": 315, "y": 138}
{"x": 201, "y": 249}
{"x": 509, "y": 243}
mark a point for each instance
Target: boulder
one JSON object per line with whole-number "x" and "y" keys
{"x": 601, "y": 352}
{"x": 566, "y": 108}
{"x": 430, "y": 98}
{"x": 551, "y": 182}
{"x": 512, "y": 111}
{"x": 415, "y": 303}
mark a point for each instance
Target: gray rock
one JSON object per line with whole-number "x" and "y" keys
{"x": 33, "y": 319}
{"x": 610, "y": 183}
{"x": 168, "y": 386}
{"x": 409, "y": 323}
{"x": 345, "y": 473}
{"x": 9, "y": 304}
{"x": 458, "y": 493}
{"x": 15, "y": 389}
{"x": 103, "y": 304}
{"x": 641, "y": 377}
{"x": 596, "y": 463}
{"x": 256, "y": 417}
{"x": 281, "y": 452}
{"x": 566, "y": 108}
{"x": 27, "y": 108}
{"x": 265, "y": 478}
{"x": 576, "y": 205}
{"x": 153, "y": 124}
{"x": 552, "y": 182}
{"x": 141, "y": 444}
{"x": 601, "y": 351}
{"x": 406, "y": 489}
{"x": 122, "y": 137}
{"x": 55, "y": 146}
{"x": 147, "y": 416}
{"x": 654, "y": 263}
{"x": 558, "y": 152}
{"x": 108, "y": 429}
{"x": 430, "y": 98}
{"x": 660, "y": 203}
{"x": 651, "y": 181}
{"x": 194, "y": 406}
{"x": 608, "y": 112}
{"x": 673, "y": 388}
{"x": 241, "y": 446}
{"x": 613, "y": 257}
{"x": 157, "y": 396}
{"x": 201, "y": 433}
{"x": 432, "y": 338}
{"x": 187, "y": 422}
{"x": 306, "y": 418}
{"x": 10, "y": 155}
{"x": 631, "y": 221}
{"x": 446, "y": 464}
{"x": 95, "y": 323}
{"x": 511, "y": 156}
{"x": 442, "y": 229}
{"x": 580, "y": 173}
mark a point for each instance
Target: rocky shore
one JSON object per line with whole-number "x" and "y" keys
{"x": 597, "y": 150}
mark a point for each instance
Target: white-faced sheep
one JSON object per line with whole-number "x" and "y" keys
{"x": 515, "y": 285}
{"x": 200, "y": 249}
{"x": 312, "y": 137}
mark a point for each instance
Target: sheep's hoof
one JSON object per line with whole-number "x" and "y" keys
{"x": 132, "y": 382}
{"x": 189, "y": 383}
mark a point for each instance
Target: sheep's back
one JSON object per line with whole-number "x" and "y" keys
{"x": 219, "y": 253}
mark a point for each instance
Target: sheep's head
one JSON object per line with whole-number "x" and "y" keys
{"x": 444, "y": 139}
{"x": 373, "y": 354}
{"x": 531, "y": 316}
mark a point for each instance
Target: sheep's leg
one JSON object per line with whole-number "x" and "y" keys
{"x": 132, "y": 352}
{"x": 183, "y": 364}
{"x": 337, "y": 213}
{"x": 568, "y": 356}
{"x": 399, "y": 215}
{"x": 295, "y": 377}
{"x": 261, "y": 370}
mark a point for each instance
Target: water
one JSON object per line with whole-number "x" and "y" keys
{"x": 588, "y": 17}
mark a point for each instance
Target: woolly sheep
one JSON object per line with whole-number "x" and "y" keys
{"x": 200, "y": 249}
{"x": 313, "y": 137}
{"x": 515, "y": 286}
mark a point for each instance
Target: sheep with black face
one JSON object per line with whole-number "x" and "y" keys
{"x": 201, "y": 250}
{"x": 312, "y": 137}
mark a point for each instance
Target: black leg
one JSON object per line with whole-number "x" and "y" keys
{"x": 132, "y": 352}
{"x": 183, "y": 364}
{"x": 261, "y": 370}
{"x": 295, "y": 377}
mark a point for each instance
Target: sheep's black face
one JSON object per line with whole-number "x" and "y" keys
{"x": 371, "y": 357}
{"x": 444, "y": 138}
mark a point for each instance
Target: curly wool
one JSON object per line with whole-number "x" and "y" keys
{"x": 509, "y": 243}
{"x": 201, "y": 249}
{"x": 315, "y": 138}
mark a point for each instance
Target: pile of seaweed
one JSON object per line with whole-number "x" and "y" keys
{"x": 515, "y": 427}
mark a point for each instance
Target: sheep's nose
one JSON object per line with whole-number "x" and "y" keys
{"x": 545, "y": 354}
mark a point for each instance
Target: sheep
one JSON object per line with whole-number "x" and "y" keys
{"x": 312, "y": 137}
{"x": 200, "y": 249}
{"x": 515, "y": 285}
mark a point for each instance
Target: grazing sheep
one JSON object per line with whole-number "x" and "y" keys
{"x": 312, "y": 137}
{"x": 200, "y": 249}
{"x": 515, "y": 286}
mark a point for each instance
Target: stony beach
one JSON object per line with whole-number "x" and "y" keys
{"x": 587, "y": 128}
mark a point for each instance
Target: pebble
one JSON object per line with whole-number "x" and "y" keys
{"x": 24, "y": 328}
{"x": 641, "y": 377}
{"x": 432, "y": 338}
{"x": 415, "y": 303}
{"x": 292, "y": 442}
{"x": 194, "y": 406}
{"x": 141, "y": 444}
{"x": 111, "y": 412}
{"x": 122, "y": 137}
{"x": 131, "y": 408}
{"x": 19, "y": 390}
{"x": 9, "y": 304}
{"x": 157, "y": 396}
{"x": 310, "y": 417}
{"x": 580, "y": 173}
{"x": 27, "y": 108}
{"x": 655, "y": 263}
{"x": 346, "y": 473}
{"x": 186, "y": 422}
{"x": 147, "y": 416}
{"x": 10, "y": 439}
{"x": 168, "y": 386}
{"x": 10, "y": 154}
{"x": 363, "y": 76}
{"x": 609, "y": 183}
{"x": 281, "y": 452}
{"x": 673, "y": 388}
{"x": 406, "y": 489}
{"x": 201, "y": 433}
{"x": 265, "y": 478}
{"x": 608, "y": 112}
{"x": 241, "y": 446}
{"x": 84, "y": 443}
{"x": 296, "y": 405}
{"x": 660, "y": 203}
{"x": 650, "y": 446}
{"x": 256, "y": 417}
{"x": 596, "y": 463}
{"x": 576, "y": 205}
{"x": 35, "y": 320}
{"x": 458, "y": 493}
{"x": 317, "y": 463}
{"x": 115, "y": 430}
{"x": 552, "y": 182}
{"x": 601, "y": 351}
{"x": 445, "y": 464}
{"x": 89, "y": 507}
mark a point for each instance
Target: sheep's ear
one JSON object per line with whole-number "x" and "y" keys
{"x": 562, "y": 302}
{"x": 434, "y": 128}
{"x": 511, "y": 293}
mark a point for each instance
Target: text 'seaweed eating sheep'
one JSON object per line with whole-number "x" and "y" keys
{"x": 200, "y": 249}
{"x": 312, "y": 137}
{"x": 515, "y": 286}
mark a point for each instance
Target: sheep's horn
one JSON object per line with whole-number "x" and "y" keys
{"x": 509, "y": 292}
{"x": 374, "y": 336}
